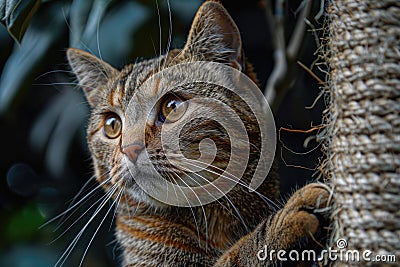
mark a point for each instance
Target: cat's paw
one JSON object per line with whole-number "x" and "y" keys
{"x": 303, "y": 219}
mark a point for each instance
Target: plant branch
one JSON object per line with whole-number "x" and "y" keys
{"x": 285, "y": 57}
{"x": 297, "y": 38}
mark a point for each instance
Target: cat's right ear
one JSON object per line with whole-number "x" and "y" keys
{"x": 214, "y": 36}
{"x": 90, "y": 71}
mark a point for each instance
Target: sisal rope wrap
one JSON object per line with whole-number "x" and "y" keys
{"x": 363, "y": 125}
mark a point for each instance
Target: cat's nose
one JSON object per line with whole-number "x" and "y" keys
{"x": 132, "y": 151}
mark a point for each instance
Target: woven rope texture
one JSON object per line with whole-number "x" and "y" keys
{"x": 363, "y": 148}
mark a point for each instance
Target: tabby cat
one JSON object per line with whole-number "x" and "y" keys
{"x": 227, "y": 232}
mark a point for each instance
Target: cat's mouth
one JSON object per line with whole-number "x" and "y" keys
{"x": 160, "y": 184}
{"x": 139, "y": 182}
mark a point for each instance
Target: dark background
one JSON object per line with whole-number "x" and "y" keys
{"x": 44, "y": 159}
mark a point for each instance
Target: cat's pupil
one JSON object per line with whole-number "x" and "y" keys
{"x": 171, "y": 104}
{"x": 172, "y": 107}
{"x": 112, "y": 126}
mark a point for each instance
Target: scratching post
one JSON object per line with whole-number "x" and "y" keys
{"x": 363, "y": 125}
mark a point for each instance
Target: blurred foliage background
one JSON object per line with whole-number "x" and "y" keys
{"x": 45, "y": 162}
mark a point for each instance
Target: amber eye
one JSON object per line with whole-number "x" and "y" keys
{"x": 172, "y": 109}
{"x": 112, "y": 126}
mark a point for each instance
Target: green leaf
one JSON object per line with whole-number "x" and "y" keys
{"x": 95, "y": 25}
{"x": 23, "y": 64}
{"x": 85, "y": 17}
{"x": 57, "y": 126}
{"x": 15, "y": 15}
{"x": 79, "y": 13}
{"x": 24, "y": 224}
{"x": 133, "y": 15}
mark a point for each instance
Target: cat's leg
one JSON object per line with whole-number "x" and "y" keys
{"x": 298, "y": 226}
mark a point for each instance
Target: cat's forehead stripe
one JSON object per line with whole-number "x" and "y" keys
{"x": 118, "y": 93}
{"x": 137, "y": 74}
{"x": 128, "y": 82}
{"x": 157, "y": 86}
{"x": 121, "y": 91}
{"x": 111, "y": 97}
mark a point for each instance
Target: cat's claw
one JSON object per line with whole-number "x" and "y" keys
{"x": 301, "y": 224}
{"x": 304, "y": 216}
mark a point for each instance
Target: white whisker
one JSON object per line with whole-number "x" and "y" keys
{"x": 80, "y": 217}
{"x": 229, "y": 201}
{"x": 53, "y": 71}
{"x": 268, "y": 201}
{"x": 194, "y": 216}
{"x": 101, "y": 223}
{"x": 169, "y": 32}
{"x": 63, "y": 219}
{"x": 76, "y": 204}
{"x": 97, "y": 37}
{"x": 70, "y": 248}
{"x": 159, "y": 31}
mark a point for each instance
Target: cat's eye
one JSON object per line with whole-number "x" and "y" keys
{"x": 172, "y": 109}
{"x": 112, "y": 126}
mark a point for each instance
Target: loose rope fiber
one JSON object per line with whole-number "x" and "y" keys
{"x": 363, "y": 126}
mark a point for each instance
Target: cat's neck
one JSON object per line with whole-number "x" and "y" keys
{"x": 212, "y": 226}
{"x": 197, "y": 234}
{"x": 147, "y": 236}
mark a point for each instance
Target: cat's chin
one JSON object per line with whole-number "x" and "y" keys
{"x": 140, "y": 176}
{"x": 139, "y": 195}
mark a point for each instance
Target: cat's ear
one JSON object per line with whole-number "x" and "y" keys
{"x": 90, "y": 71}
{"x": 214, "y": 36}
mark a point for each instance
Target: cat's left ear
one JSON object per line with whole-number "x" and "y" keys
{"x": 92, "y": 73}
{"x": 214, "y": 36}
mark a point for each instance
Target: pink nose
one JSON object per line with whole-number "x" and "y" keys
{"x": 132, "y": 151}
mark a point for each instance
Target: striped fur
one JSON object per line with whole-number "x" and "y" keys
{"x": 223, "y": 233}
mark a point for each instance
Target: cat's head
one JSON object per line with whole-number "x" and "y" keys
{"x": 128, "y": 118}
